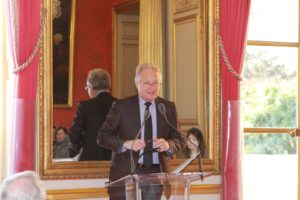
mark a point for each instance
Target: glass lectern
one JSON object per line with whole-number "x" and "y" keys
{"x": 174, "y": 186}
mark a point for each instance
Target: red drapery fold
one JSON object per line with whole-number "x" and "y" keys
{"x": 26, "y": 28}
{"x": 234, "y": 16}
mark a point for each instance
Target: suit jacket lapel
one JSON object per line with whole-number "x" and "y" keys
{"x": 136, "y": 115}
{"x": 160, "y": 120}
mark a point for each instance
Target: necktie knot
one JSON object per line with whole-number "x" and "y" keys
{"x": 148, "y": 104}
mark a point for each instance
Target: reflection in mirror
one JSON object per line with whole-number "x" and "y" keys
{"x": 195, "y": 144}
{"x": 126, "y": 50}
{"x": 90, "y": 115}
{"x": 63, "y": 45}
{"x": 61, "y": 143}
{"x": 94, "y": 46}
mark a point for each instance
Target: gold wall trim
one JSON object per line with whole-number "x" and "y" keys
{"x": 186, "y": 19}
{"x": 77, "y": 193}
{"x": 102, "y": 192}
{"x": 183, "y": 5}
{"x": 189, "y": 122}
{"x": 205, "y": 189}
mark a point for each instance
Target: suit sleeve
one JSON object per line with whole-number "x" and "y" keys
{"x": 175, "y": 139}
{"x": 108, "y": 133}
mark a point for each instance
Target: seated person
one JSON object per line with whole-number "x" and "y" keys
{"x": 25, "y": 185}
{"x": 61, "y": 145}
{"x": 194, "y": 143}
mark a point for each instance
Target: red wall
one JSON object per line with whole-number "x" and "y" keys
{"x": 92, "y": 48}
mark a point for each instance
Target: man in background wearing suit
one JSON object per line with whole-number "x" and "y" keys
{"x": 119, "y": 132}
{"x": 90, "y": 116}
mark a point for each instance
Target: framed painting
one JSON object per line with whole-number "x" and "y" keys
{"x": 63, "y": 19}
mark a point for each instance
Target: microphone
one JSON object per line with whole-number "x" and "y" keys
{"x": 162, "y": 110}
{"x": 146, "y": 117}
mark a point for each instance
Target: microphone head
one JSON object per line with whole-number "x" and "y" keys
{"x": 147, "y": 115}
{"x": 162, "y": 108}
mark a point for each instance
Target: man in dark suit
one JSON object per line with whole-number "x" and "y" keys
{"x": 90, "y": 116}
{"x": 123, "y": 122}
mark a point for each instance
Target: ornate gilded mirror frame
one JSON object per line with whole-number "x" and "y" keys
{"x": 48, "y": 169}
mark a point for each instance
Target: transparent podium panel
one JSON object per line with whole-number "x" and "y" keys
{"x": 159, "y": 185}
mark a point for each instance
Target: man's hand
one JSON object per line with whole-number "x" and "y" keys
{"x": 135, "y": 145}
{"x": 161, "y": 144}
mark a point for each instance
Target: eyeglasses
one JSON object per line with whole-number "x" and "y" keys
{"x": 148, "y": 84}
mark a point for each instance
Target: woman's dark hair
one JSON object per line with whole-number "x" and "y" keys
{"x": 199, "y": 136}
{"x": 61, "y": 128}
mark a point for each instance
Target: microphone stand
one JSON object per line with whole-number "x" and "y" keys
{"x": 162, "y": 110}
{"x": 132, "y": 164}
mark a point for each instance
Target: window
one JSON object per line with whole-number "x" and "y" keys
{"x": 269, "y": 100}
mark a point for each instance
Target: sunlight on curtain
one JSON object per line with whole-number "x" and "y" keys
{"x": 2, "y": 94}
{"x": 5, "y": 94}
{"x": 233, "y": 28}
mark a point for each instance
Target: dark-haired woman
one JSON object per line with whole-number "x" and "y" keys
{"x": 195, "y": 142}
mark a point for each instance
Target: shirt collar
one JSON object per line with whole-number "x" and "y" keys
{"x": 142, "y": 102}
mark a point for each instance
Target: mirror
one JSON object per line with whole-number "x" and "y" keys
{"x": 49, "y": 169}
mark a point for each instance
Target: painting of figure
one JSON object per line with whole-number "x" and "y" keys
{"x": 63, "y": 34}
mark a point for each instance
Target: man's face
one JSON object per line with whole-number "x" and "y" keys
{"x": 148, "y": 88}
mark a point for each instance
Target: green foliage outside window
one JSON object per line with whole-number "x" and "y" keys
{"x": 268, "y": 100}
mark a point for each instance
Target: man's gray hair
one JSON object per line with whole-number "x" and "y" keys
{"x": 140, "y": 68}
{"x": 99, "y": 79}
{"x": 25, "y": 185}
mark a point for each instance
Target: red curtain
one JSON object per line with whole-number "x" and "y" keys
{"x": 233, "y": 27}
{"x": 23, "y": 34}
